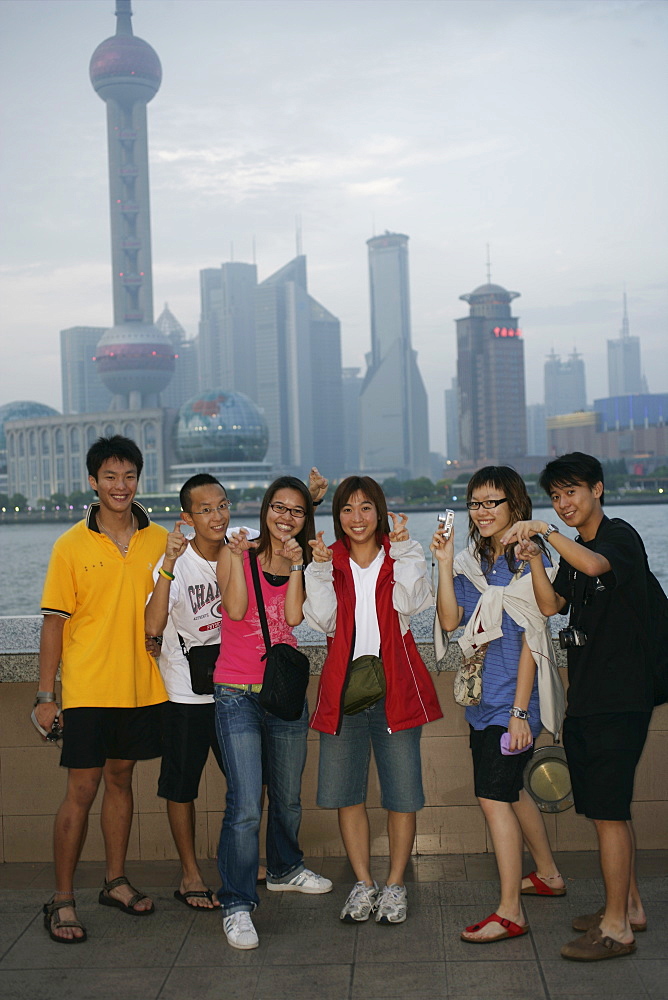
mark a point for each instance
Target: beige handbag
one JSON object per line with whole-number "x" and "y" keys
{"x": 467, "y": 687}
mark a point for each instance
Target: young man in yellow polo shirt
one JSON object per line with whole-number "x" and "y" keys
{"x": 97, "y": 583}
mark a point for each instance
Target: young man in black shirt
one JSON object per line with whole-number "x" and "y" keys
{"x": 602, "y": 578}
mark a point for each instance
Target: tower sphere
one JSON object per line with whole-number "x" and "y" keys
{"x": 135, "y": 357}
{"x": 125, "y": 69}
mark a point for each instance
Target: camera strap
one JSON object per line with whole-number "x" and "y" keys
{"x": 572, "y": 577}
{"x": 589, "y": 588}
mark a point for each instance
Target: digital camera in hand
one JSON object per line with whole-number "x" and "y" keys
{"x": 445, "y": 523}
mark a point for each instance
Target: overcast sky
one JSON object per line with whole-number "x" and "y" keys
{"x": 535, "y": 126}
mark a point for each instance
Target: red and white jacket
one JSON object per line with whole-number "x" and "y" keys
{"x": 402, "y": 590}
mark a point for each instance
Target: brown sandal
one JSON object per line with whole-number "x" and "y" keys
{"x": 52, "y": 923}
{"x": 595, "y": 946}
{"x": 589, "y": 920}
{"x": 106, "y": 899}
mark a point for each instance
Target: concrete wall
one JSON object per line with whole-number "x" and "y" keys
{"x": 32, "y": 785}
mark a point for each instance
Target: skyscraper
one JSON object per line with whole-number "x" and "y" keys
{"x": 329, "y": 442}
{"x": 452, "y": 421}
{"x": 227, "y": 328}
{"x": 134, "y": 358}
{"x": 209, "y": 341}
{"x": 82, "y": 387}
{"x": 298, "y": 352}
{"x": 536, "y": 429}
{"x": 394, "y": 422}
{"x": 352, "y": 386}
{"x": 490, "y": 375}
{"x": 624, "y": 370}
{"x": 564, "y": 385}
{"x": 185, "y": 382}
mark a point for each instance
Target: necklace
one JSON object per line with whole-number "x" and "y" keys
{"x": 200, "y": 553}
{"x": 275, "y": 577}
{"x": 122, "y": 547}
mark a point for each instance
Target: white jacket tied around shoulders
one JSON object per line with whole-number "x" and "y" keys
{"x": 517, "y": 600}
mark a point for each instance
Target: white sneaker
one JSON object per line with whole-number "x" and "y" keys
{"x": 392, "y": 904}
{"x": 306, "y": 881}
{"x": 239, "y": 930}
{"x": 360, "y": 904}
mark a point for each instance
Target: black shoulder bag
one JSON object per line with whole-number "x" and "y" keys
{"x": 202, "y": 663}
{"x": 286, "y": 671}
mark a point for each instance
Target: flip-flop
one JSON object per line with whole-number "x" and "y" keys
{"x": 106, "y": 899}
{"x": 183, "y": 897}
{"x": 595, "y": 946}
{"x": 589, "y": 920}
{"x": 540, "y": 887}
{"x": 511, "y": 930}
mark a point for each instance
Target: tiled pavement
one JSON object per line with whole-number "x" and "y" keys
{"x": 305, "y": 953}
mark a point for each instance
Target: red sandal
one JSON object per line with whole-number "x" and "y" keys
{"x": 511, "y": 930}
{"x": 540, "y": 888}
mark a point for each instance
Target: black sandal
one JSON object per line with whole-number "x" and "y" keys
{"x": 52, "y": 923}
{"x": 106, "y": 899}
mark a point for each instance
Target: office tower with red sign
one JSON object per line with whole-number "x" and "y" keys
{"x": 490, "y": 376}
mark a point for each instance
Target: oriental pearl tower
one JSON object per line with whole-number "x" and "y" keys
{"x": 135, "y": 360}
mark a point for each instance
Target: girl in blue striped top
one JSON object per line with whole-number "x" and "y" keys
{"x": 496, "y": 498}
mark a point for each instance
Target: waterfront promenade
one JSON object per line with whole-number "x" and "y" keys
{"x": 305, "y": 953}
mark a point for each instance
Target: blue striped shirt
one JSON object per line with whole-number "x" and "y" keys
{"x": 499, "y": 677}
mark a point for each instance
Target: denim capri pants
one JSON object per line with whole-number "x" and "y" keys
{"x": 343, "y": 770}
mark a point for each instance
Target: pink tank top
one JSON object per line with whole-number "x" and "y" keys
{"x": 242, "y": 646}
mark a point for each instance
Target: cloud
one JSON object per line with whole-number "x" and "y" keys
{"x": 372, "y": 189}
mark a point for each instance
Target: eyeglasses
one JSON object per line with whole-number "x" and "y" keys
{"x": 485, "y": 504}
{"x": 208, "y": 511}
{"x": 280, "y": 508}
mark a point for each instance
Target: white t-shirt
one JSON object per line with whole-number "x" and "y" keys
{"x": 195, "y": 614}
{"x": 367, "y": 632}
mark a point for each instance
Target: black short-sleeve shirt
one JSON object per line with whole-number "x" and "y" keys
{"x": 611, "y": 672}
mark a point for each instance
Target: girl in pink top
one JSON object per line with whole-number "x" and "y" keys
{"x": 253, "y": 742}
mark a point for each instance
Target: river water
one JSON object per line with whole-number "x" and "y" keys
{"x": 25, "y": 548}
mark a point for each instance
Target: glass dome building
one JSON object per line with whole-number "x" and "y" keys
{"x": 220, "y": 426}
{"x": 22, "y": 409}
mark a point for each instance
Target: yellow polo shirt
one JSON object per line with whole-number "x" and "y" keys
{"x": 102, "y": 596}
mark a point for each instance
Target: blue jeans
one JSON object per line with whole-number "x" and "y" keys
{"x": 246, "y": 733}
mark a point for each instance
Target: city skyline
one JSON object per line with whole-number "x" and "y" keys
{"x": 255, "y": 130}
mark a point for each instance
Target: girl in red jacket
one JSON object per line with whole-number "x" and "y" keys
{"x": 361, "y": 593}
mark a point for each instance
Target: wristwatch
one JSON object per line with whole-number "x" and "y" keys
{"x": 550, "y": 529}
{"x": 297, "y": 567}
{"x": 44, "y": 698}
{"x": 518, "y": 713}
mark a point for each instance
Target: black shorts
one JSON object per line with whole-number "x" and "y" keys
{"x": 603, "y": 752}
{"x": 93, "y": 735}
{"x": 496, "y": 776}
{"x": 189, "y": 732}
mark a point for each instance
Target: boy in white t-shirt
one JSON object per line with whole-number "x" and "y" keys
{"x": 186, "y": 603}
